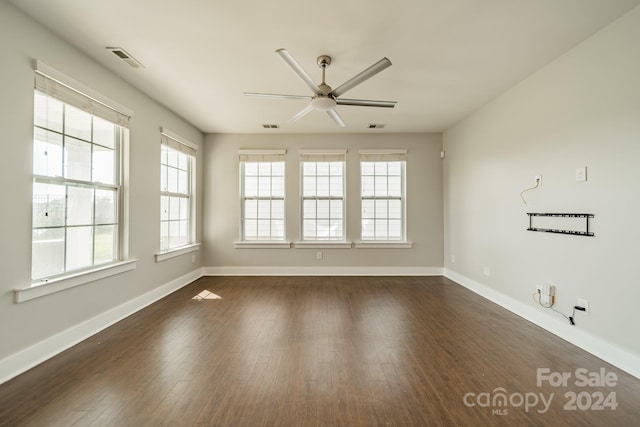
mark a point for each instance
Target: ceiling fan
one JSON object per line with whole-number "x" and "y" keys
{"x": 325, "y": 98}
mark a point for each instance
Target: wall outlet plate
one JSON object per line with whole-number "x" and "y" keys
{"x": 584, "y": 303}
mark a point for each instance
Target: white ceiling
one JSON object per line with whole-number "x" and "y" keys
{"x": 449, "y": 56}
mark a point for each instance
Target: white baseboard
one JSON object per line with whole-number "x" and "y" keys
{"x": 593, "y": 344}
{"x": 26, "y": 359}
{"x": 323, "y": 271}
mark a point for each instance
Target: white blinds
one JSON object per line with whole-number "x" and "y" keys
{"x": 53, "y": 84}
{"x": 323, "y": 156}
{"x": 383, "y": 155}
{"x": 261, "y": 155}
{"x": 177, "y": 143}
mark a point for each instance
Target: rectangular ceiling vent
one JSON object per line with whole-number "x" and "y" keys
{"x": 268, "y": 126}
{"x": 376, "y": 126}
{"x": 124, "y": 55}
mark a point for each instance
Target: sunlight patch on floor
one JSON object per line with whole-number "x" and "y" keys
{"x": 206, "y": 295}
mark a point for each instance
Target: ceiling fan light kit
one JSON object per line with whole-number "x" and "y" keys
{"x": 324, "y": 97}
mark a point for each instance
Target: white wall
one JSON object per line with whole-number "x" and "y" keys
{"x": 28, "y": 325}
{"x": 581, "y": 110}
{"x": 424, "y": 204}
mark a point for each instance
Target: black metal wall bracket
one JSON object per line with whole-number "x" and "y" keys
{"x": 586, "y": 217}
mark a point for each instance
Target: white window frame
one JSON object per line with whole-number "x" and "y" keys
{"x": 316, "y": 156}
{"x": 261, "y": 156}
{"x": 382, "y": 155}
{"x": 175, "y": 142}
{"x": 54, "y": 84}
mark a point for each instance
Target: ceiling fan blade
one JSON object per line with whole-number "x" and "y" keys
{"x": 366, "y": 74}
{"x": 366, "y": 103}
{"x": 275, "y": 95}
{"x": 301, "y": 114}
{"x": 336, "y": 117}
{"x": 293, "y": 64}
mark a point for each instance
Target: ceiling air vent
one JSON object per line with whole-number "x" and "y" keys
{"x": 124, "y": 55}
{"x": 268, "y": 126}
{"x": 376, "y": 126}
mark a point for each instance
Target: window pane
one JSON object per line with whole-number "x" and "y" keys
{"x": 394, "y": 168}
{"x": 323, "y": 168}
{"x": 277, "y": 229}
{"x": 323, "y": 209}
{"x": 164, "y": 235}
{"x": 336, "y": 187}
{"x": 367, "y": 229}
{"x": 183, "y": 231}
{"x": 164, "y": 208}
{"x": 172, "y": 180}
{"x": 251, "y": 229}
{"x": 105, "y": 243}
{"x": 395, "y": 187}
{"x": 277, "y": 186}
{"x": 104, "y": 165}
{"x": 184, "y": 208}
{"x": 308, "y": 168}
{"x": 250, "y": 186}
{"x": 368, "y": 209}
{"x": 182, "y": 182}
{"x": 172, "y": 157}
{"x": 380, "y": 186}
{"x": 368, "y": 186}
{"x": 77, "y": 159}
{"x": 106, "y": 207}
{"x": 367, "y": 168}
{"x": 277, "y": 168}
{"x": 251, "y": 209}
{"x": 323, "y": 186}
{"x": 395, "y": 209}
{"x": 309, "y": 186}
{"x": 395, "y": 229}
{"x": 77, "y": 123}
{"x": 336, "y": 209}
{"x": 47, "y": 112}
{"x": 250, "y": 169}
{"x": 309, "y": 229}
{"x": 174, "y": 208}
{"x": 264, "y": 209}
{"x": 323, "y": 229}
{"x": 47, "y": 252}
{"x": 277, "y": 209}
{"x": 174, "y": 233}
{"x": 47, "y": 153}
{"x": 335, "y": 168}
{"x": 381, "y": 208}
{"x": 164, "y": 185}
{"x": 264, "y": 229}
{"x": 264, "y": 169}
{"x": 104, "y": 133}
{"x": 79, "y": 247}
{"x": 79, "y": 206}
{"x": 309, "y": 209}
{"x": 336, "y": 229}
{"x": 264, "y": 186}
{"x": 381, "y": 228}
{"x": 48, "y": 205}
{"x": 380, "y": 168}
{"x": 183, "y": 161}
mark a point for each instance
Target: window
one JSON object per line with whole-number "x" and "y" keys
{"x": 177, "y": 166}
{"x": 323, "y": 195}
{"x": 77, "y": 180}
{"x": 382, "y": 195}
{"x": 262, "y": 195}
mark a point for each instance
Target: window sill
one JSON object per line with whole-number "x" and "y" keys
{"x": 323, "y": 244}
{"x": 40, "y": 289}
{"x": 384, "y": 245}
{"x": 262, "y": 245}
{"x": 174, "y": 252}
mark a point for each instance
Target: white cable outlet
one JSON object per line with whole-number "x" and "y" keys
{"x": 584, "y": 303}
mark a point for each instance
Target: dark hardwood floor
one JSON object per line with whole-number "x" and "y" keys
{"x": 319, "y": 351}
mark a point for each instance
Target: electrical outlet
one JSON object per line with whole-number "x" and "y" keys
{"x": 453, "y": 259}
{"x": 487, "y": 271}
{"x": 537, "y": 180}
{"x": 584, "y": 303}
{"x": 193, "y": 259}
{"x": 319, "y": 255}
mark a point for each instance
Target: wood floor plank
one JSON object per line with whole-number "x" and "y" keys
{"x": 314, "y": 351}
